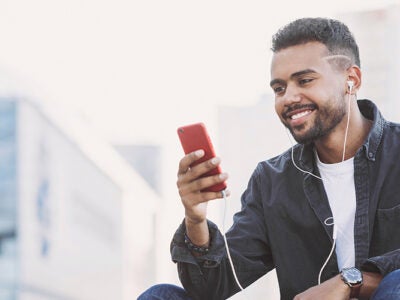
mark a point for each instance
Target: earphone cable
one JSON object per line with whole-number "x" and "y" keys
{"x": 347, "y": 126}
{"x": 310, "y": 173}
{"x": 226, "y": 243}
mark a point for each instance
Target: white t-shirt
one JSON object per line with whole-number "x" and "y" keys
{"x": 338, "y": 180}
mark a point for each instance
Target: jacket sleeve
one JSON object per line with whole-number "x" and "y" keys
{"x": 210, "y": 276}
{"x": 383, "y": 264}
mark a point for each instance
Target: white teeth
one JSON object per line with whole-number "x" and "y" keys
{"x": 299, "y": 115}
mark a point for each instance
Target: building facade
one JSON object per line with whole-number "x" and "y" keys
{"x": 72, "y": 221}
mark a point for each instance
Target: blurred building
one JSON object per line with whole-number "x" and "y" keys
{"x": 248, "y": 135}
{"x": 377, "y": 33}
{"x": 76, "y": 222}
{"x": 146, "y": 160}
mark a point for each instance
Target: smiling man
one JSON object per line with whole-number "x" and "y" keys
{"x": 325, "y": 213}
{"x": 312, "y": 98}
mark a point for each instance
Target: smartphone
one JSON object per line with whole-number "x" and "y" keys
{"x": 194, "y": 137}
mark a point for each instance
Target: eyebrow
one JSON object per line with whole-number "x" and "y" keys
{"x": 294, "y": 75}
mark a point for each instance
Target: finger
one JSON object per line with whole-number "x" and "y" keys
{"x": 203, "y": 197}
{"x": 199, "y": 170}
{"x": 188, "y": 159}
{"x": 202, "y": 183}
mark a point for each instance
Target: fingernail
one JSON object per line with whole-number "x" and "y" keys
{"x": 223, "y": 176}
{"x": 199, "y": 153}
{"x": 215, "y": 161}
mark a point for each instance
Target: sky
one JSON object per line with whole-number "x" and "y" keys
{"x": 136, "y": 70}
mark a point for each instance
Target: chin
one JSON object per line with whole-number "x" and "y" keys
{"x": 304, "y": 138}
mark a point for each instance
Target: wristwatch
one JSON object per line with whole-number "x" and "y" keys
{"x": 354, "y": 279}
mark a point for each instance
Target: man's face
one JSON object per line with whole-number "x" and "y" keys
{"x": 309, "y": 91}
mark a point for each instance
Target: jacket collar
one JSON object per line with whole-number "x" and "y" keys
{"x": 371, "y": 112}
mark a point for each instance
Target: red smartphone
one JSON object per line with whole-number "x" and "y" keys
{"x": 194, "y": 137}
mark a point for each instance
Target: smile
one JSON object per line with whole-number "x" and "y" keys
{"x": 301, "y": 114}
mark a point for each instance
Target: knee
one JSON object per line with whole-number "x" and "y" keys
{"x": 163, "y": 291}
{"x": 389, "y": 288}
{"x": 392, "y": 280}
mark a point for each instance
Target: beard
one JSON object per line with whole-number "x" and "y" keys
{"x": 327, "y": 118}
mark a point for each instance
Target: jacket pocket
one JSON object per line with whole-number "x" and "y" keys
{"x": 386, "y": 234}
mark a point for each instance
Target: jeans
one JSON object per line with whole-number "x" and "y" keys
{"x": 164, "y": 292}
{"x": 388, "y": 289}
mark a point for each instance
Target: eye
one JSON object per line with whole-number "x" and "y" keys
{"x": 278, "y": 90}
{"x": 304, "y": 81}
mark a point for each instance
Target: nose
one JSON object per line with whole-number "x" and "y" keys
{"x": 292, "y": 95}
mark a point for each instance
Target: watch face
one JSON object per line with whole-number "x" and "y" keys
{"x": 352, "y": 276}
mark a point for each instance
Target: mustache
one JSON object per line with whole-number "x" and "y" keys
{"x": 297, "y": 106}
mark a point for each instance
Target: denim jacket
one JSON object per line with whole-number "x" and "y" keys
{"x": 282, "y": 221}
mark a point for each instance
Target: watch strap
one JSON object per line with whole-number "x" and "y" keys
{"x": 355, "y": 291}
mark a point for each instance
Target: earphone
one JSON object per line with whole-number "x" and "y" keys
{"x": 350, "y": 84}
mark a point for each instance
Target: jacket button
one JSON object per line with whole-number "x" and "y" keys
{"x": 209, "y": 263}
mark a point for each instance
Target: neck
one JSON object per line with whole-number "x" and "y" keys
{"x": 330, "y": 148}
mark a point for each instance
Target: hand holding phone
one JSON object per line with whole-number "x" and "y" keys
{"x": 194, "y": 137}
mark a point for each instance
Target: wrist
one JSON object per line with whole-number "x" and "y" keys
{"x": 197, "y": 233}
{"x": 353, "y": 278}
{"x": 194, "y": 221}
{"x": 370, "y": 284}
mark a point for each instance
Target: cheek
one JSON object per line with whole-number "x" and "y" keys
{"x": 278, "y": 108}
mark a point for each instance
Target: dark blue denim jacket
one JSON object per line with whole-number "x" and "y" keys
{"x": 281, "y": 223}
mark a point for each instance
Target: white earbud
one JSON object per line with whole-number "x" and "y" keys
{"x": 350, "y": 84}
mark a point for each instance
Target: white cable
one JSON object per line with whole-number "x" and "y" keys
{"x": 297, "y": 167}
{"x": 344, "y": 142}
{"x": 226, "y": 245}
{"x": 334, "y": 227}
{"x": 307, "y": 172}
{"x": 333, "y": 248}
{"x": 304, "y": 171}
{"x": 333, "y": 224}
{"x": 329, "y": 257}
{"x": 347, "y": 128}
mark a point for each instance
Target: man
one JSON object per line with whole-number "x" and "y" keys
{"x": 327, "y": 210}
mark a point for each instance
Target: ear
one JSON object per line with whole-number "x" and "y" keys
{"x": 353, "y": 75}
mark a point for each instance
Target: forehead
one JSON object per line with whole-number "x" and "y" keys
{"x": 300, "y": 57}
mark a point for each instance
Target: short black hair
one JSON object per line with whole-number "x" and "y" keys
{"x": 335, "y": 35}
